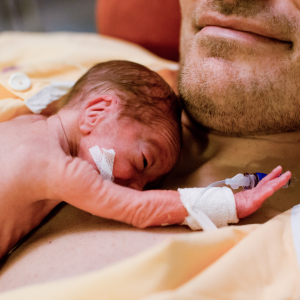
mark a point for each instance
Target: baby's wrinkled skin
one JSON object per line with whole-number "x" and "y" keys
{"x": 46, "y": 160}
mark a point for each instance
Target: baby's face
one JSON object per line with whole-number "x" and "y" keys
{"x": 142, "y": 154}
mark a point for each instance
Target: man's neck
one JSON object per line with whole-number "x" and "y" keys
{"x": 260, "y": 151}
{"x": 208, "y": 157}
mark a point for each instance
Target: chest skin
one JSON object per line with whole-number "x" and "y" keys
{"x": 40, "y": 172}
{"x": 99, "y": 241}
{"x": 208, "y": 157}
{"x": 25, "y": 149}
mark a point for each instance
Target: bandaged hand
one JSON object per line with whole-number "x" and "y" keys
{"x": 219, "y": 206}
{"x": 80, "y": 185}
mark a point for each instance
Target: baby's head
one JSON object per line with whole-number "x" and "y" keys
{"x": 127, "y": 107}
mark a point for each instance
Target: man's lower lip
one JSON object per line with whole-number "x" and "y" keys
{"x": 241, "y": 36}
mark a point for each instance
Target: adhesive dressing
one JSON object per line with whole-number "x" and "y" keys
{"x": 213, "y": 207}
{"x": 104, "y": 161}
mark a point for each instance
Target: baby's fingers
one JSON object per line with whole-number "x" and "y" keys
{"x": 278, "y": 182}
{"x": 249, "y": 201}
{"x": 273, "y": 174}
{"x": 269, "y": 188}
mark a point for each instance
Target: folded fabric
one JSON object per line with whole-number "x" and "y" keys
{"x": 49, "y": 62}
{"x": 235, "y": 262}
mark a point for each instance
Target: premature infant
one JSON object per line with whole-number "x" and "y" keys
{"x": 116, "y": 105}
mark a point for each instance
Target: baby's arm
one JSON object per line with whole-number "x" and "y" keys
{"x": 77, "y": 183}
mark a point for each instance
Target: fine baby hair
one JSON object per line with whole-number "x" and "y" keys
{"x": 145, "y": 96}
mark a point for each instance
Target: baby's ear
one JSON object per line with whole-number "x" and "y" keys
{"x": 94, "y": 111}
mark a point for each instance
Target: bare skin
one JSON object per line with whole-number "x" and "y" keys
{"x": 238, "y": 81}
{"x": 240, "y": 66}
{"x": 208, "y": 157}
{"x": 208, "y": 154}
{"x": 39, "y": 161}
{"x": 41, "y": 169}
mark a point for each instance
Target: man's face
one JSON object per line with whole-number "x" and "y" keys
{"x": 240, "y": 65}
{"x": 142, "y": 154}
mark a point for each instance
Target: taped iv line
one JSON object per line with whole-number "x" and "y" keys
{"x": 199, "y": 215}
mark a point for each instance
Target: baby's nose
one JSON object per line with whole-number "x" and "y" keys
{"x": 136, "y": 184}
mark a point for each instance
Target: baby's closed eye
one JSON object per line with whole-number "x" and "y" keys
{"x": 145, "y": 162}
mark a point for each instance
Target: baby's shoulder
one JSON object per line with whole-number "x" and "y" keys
{"x": 22, "y": 123}
{"x": 34, "y": 142}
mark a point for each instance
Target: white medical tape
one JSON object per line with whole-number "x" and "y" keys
{"x": 104, "y": 161}
{"x": 197, "y": 219}
{"x": 47, "y": 95}
{"x": 216, "y": 205}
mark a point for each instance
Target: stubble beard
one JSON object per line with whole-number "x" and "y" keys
{"x": 238, "y": 90}
{"x": 225, "y": 98}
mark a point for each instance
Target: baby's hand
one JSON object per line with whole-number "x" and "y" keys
{"x": 247, "y": 202}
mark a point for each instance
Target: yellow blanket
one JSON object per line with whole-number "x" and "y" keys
{"x": 233, "y": 263}
{"x": 242, "y": 262}
{"x": 45, "y": 58}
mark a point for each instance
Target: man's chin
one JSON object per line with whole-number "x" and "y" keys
{"x": 255, "y": 122}
{"x": 226, "y": 104}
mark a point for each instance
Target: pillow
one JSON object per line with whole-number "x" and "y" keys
{"x": 153, "y": 24}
